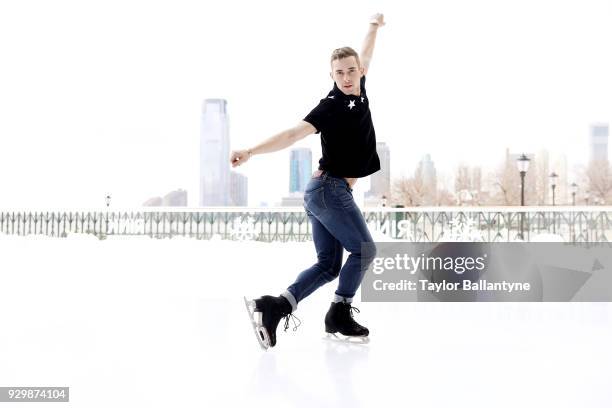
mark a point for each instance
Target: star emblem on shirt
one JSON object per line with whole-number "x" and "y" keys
{"x": 362, "y": 99}
{"x": 351, "y": 104}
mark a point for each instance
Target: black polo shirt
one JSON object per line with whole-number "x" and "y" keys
{"x": 348, "y": 140}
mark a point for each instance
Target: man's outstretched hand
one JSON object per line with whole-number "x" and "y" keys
{"x": 238, "y": 157}
{"x": 378, "y": 19}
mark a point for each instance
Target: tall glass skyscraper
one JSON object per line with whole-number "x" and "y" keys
{"x": 380, "y": 182}
{"x": 214, "y": 153}
{"x": 427, "y": 171}
{"x": 599, "y": 141}
{"x": 300, "y": 168}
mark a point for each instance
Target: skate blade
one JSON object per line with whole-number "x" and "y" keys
{"x": 340, "y": 338}
{"x": 260, "y": 332}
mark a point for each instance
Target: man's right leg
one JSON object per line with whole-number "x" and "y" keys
{"x": 329, "y": 249}
{"x": 329, "y": 262}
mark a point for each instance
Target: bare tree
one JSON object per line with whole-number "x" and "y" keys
{"x": 599, "y": 180}
{"x": 462, "y": 178}
{"x": 413, "y": 192}
{"x": 408, "y": 191}
{"x": 508, "y": 183}
{"x": 468, "y": 185}
{"x": 538, "y": 174}
{"x": 445, "y": 198}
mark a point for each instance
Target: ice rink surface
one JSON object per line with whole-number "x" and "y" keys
{"x": 155, "y": 323}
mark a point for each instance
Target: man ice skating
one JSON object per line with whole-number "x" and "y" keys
{"x": 348, "y": 145}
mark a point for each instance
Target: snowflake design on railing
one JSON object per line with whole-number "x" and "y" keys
{"x": 462, "y": 230}
{"x": 243, "y": 230}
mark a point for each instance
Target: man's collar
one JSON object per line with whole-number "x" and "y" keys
{"x": 337, "y": 93}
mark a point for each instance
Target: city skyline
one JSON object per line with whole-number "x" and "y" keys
{"x": 457, "y": 81}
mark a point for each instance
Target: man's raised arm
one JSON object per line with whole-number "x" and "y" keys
{"x": 367, "y": 49}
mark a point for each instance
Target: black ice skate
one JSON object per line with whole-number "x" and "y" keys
{"x": 339, "y": 319}
{"x": 265, "y": 313}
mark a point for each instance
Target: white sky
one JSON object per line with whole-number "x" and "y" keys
{"x": 100, "y": 97}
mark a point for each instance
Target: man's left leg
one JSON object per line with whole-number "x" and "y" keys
{"x": 346, "y": 223}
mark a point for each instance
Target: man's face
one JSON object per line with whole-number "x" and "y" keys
{"x": 346, "y": 73}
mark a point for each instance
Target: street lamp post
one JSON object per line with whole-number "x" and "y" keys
{"x": 574, "y": 188}
{"x": 107, "y": 199}
{"x": 553, "y": 183}
{"x": 523, "y": 165}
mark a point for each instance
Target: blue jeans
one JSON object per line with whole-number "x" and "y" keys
{"x": 337, "y": 224}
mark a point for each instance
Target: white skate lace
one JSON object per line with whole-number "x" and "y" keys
{"x": 294, "y": 318}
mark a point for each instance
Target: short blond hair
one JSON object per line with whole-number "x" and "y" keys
{"x": 344, "y": 52}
